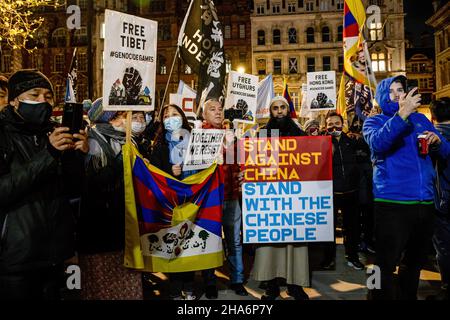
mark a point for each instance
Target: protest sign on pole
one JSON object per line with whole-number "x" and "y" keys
{"x": 287, "y": 194}
{"x": 265, "y": 96}
{"x": 205, "y": 147}
{"x": 129, "y": 72}
{"x": 242, "y": 91}
{"x": 185, "y": 99}
{"x": 321, "y": 90}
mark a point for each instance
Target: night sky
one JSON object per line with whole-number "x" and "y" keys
{"x": 417, "y": 12}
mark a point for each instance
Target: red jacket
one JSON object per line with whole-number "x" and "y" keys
{"x": 230, "y": 172}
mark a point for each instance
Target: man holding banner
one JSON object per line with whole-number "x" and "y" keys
{"x": 232, "y": 216}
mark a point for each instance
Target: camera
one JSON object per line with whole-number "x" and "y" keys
{"x": 411, "y": 84}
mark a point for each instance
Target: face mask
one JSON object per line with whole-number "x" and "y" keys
{"x": 173, "y": 123}
{"x": 137, "y": 127}
{"x": 335, "y": 131}
{"x": 34, "y": 112}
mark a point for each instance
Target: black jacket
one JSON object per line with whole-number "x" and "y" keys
{"x": 345, "y": 166}
{"x": 288, "y": 128}
{"x": 101, "y": 227}
{"x": 160, "y": 158}
{"x": 36, "y": 219}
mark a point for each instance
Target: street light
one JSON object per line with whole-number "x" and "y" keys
{"x": 241, "y": 69}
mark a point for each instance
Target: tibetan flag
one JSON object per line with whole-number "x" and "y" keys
{"x": 288, "y": 98}
{"x": 357, "y": 65}
{"x": 171, "y": 225}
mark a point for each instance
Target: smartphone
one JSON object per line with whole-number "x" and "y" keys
{"x": 411, "y": 84}
{"x": 73, "y": 117}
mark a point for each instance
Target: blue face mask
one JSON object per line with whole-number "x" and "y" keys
{"x": 173, "y": 123}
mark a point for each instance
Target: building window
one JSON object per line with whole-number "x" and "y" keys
{"x": 261, "y": 66}
{"x": 242, "y": 57}
{"x": 60, "y": 93}
{"x": 6, "y": 66}
{"x": 37, "y": 62}
{"x": 158, "y": 5}
{"x": 325, "y": 34}
{"x": 311, "y": 64}
{"x": 276, "y": 8}
{"x": 277, "y": 66}
{"x": 187, "y": 69}
{"x": 82, "y": 92}
{"x": 340, "y": 63}
{"x": 227, "y": 32}
{"x": 310, "y": 35}
{"x": 310, "y": 6}
{"x": 162, "y": 65}
{"x": 300, "y": 3}
{"x": 82, "y": 61}
{"x": 227, "y": 63}
{"x": 324, "y": 5}
{"x": 376, "y": 2}
{"x": 292, "y": 35}
{"x": 80, "y": 36}
{"x": 242, "y": 31}
{"x": 59, "y": 37}
{"x": 291, "y": 7}
{"x": 260, "y": 8}
{"x": 164, "y": 32}
{"x": 326, "y": 63}
{"x": 340, "y": 4}
{"x": 59, "y": 63}
{"x": 293, "y": 66}
{"x": 376, "y": 31}
{"x": 82, "y": 4}
{"x": 276, "y": 36}
{"x": 339, "y": 33}
{"x": 261, "y": 38}
{"x": 378, "y": 62}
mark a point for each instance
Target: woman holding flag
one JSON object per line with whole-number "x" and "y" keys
{"x": 170, "y": 144}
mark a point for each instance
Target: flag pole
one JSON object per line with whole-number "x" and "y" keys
{"x": 170, "y": 75}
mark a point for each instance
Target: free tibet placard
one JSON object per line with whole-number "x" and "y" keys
{"x": 129, "y": 71}
{"x": 321, "y": 90}
{"x": 287, "y": 194}
{"x": 204, "y": 149}
{"x": 242, "y": 91}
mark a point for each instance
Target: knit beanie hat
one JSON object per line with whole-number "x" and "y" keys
{"x": 27, "y": 79}
{"x": 310, "y": 123}
{"x": 96, "y": 113}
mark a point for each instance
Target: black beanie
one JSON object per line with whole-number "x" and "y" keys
{"x": 24, "y": 80}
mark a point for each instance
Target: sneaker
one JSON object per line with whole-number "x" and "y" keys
{"x": 328, "y": 265}
{"x": 189, "y": 296}
{"x": 239, "y": 289}
{"x": 355, "y": 264}
{"x": 211, "y": 292}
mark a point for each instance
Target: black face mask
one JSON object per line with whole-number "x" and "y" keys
{"x": 35, "y": 113}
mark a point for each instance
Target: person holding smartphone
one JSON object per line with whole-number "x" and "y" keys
{"x": 403, "y": 179}
{"x": 39, "y": 164}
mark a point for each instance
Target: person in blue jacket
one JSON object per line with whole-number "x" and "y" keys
{"x": 402, "y": 186}
{"x": 440, "y": 110}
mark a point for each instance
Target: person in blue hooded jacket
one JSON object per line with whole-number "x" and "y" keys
{"x": 402, "y": 186}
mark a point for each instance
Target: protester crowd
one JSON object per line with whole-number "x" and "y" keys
{"x": 62, "y": 194}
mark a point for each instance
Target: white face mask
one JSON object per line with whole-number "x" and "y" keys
{"x": 137, "y": 127}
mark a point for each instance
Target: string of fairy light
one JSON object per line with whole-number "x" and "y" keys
{"x": 18, "y": 21}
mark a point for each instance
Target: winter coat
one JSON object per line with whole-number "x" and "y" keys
{"x": 230, "y": 173}
{"x": 442, "y": 192}
{"x": 400, "y": 172}
{"x": 101, "y": 227}
{"x": 345, "y": 165}
{"x": 36, "y": 182}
